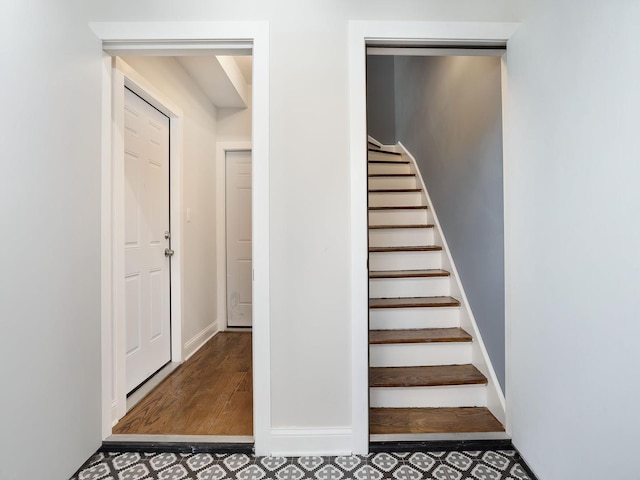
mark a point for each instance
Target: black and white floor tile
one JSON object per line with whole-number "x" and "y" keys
{"x": 466, "y": 465}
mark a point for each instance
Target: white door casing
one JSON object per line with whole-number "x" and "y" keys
{"x": 372, "y": 33}
{"x": 238, "y": 233}
{"x": 147, "y": 276}
{"x": 180, "y": 38}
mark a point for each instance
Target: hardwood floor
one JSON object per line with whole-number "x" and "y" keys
{"x": 210, "y": 394}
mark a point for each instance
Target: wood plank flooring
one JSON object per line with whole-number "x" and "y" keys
{"x": 210, "y": 394}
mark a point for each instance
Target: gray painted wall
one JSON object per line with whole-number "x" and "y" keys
{"x": 381, "y": 122}
{"x": 448, "y": 114}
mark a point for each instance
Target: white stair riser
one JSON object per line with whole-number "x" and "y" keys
{"x": 400, "y": 237}
{"x": 409, "y": 287}
{"x": 394, "y": 199}
{"x": 385, "y": 156}
{"x": 398, "y": 217}
{"x": 389, "y": 168}
{"x": 423, "y": 397}
{"x": 380, "y": 261}
{"x": 392, "y": 318}
{"x": 419, "y": 354}
{"x": 392, "y": 182}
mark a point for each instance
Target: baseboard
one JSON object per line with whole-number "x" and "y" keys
{"x": 440, "y": 445}
{"x": 525, "y": 465}
{"x": 294, "y": 442}
{"x": 198, "y": 340}
{"x": 178, "y": 444}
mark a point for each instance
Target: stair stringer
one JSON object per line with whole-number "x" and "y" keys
{"x": 480, "y": 357}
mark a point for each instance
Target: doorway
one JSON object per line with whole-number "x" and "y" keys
{"x": 363, "y": 34}
{"x": 218, "y": 38}
{"x": 205, "y": 114}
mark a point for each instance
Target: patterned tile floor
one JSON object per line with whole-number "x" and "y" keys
{"x": 467, "y": 465}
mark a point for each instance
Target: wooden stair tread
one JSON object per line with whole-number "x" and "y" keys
{"x": 394, "y": 190}
{"x": 379, "y": 150}
{"x": 375, "y": 175}
{"x": 418, "y": 335}
{"x": 432, "y": 420}
{"x": 388, "y": 227}
{"x": 404, "y": 207}
{"x": 419, "y": 248}
{"x": 412, "y": 302}
{"x": 432, "y": 376}
{"x": 432, "y": 272}
{"x": 399, "y": 162}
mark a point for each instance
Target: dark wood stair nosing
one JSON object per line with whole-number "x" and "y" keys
{"x": 379, "y": 175}
{"x": 414, "y": 302}
{"x": 433, "y": 420}
{"x": 402, "y": 207}
{"x": 424, "y": 273}
{"x": 379, "y": 150}
{"x": 392, "y": 162}
{"x": 418, "y": 248}
{"x": 419, "y": 335}
{"x": 396, "y": 227}
{"x": 429, "y": 376}
{"x": 395, "y": 190}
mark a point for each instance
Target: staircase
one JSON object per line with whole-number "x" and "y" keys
{"x": 429, "y": 374}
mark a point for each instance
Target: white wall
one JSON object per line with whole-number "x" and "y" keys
{"x": 199, "y": 151}
{"x": 448, "y": 113}
{"x": 234, "y": 124}
{"x": 51, "y": 201}
{"x": 50, "y": 214}
{"x": 574, "y": 268}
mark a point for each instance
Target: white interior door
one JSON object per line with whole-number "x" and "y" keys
{"x": 147, "y": 288}
{"x": 238, "y": 216}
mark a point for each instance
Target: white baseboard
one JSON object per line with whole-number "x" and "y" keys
{"x": 198, "y": 340}
{"x": 296, "y": 442}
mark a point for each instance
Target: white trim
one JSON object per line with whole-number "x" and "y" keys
{"x": 436, "y": 52}
{"x": 182, "y": 38}
{"x": 109, "y": 407}
{"x": 124, "y": 76}
{"x": 361, "y": 34}
{"x": 495, "y": 396}
{"x": 506, "y": 176}
{"x": 373, "y": 141}
{"x": 198, "y": 340}
{"x": 287, "y": 442}
{"x": 221, "y": 225}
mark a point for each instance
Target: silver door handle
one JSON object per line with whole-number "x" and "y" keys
{"x": 168, "y": 252}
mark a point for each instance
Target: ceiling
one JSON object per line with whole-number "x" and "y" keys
{"x": 226, "y": 80}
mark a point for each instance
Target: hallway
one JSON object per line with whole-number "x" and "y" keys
{"x": 210, "y": 394}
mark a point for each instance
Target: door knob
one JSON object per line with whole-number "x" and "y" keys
{"x": 168, "y": 252}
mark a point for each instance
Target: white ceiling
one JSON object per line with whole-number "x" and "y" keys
{"x": 226, "y": 80}
{"x": 246, "y": 67}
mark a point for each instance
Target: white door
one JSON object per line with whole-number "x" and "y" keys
{"x": 147, "y": 289}
{"x": 238, "y": 215}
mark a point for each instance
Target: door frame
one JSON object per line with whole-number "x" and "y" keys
{"x": 126, "y": 77}
{"x": 193, "y": 38}
{"x": 221, "y": 223}
{"x": 373, "y": 33}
